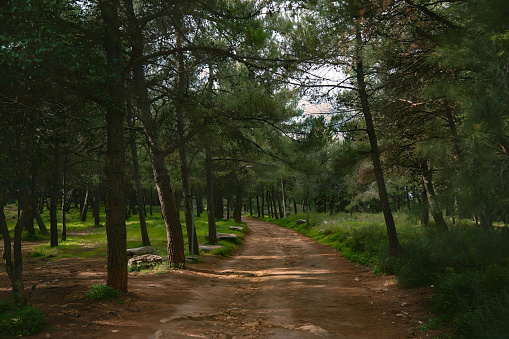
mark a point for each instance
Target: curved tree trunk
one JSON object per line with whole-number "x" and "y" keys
{"x": 14, "y": 266}
{"x": 436, "y": 210}
{"x": 395, "y": 248}
{"x": 169, "y": 210}
{"x": 84, "y": 209}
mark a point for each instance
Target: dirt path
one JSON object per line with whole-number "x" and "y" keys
{"x": 279, "y": 284}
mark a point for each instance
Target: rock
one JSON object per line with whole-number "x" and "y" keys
{"x": 223, "y": 236}
{"x": 141, "y": 251}
{"x": 237, "y": 228}
{"x": 300, "y": 221}
{"x": 145, "y": 260}
{"x": 209, "y": 247}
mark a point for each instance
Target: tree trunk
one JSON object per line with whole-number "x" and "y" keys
{"x": 263, "y": 204}
{"x": 84, "y": 210}
{"x": 269, "y": 205}
{"x": 395, "y": 248}
{"x": 137, "y": 182}
{"x": 228, "y": 204}
{"x": 237, "y": 212}
{"x": 186, "y": 186}
{"x": 14, "y": 268}
{"x": 97, "y": 202}
{"x": 63, "y": 233}
{"x": 26, "y": 195}
{"x": 280, "y": 201}
{"x": 436, "y": 210}
{"x": 184, "y": 165}
{"x": 40, "y": 223}
{"x": 41, "y": 203}
{"x": 210, "y": 197}
{"x": 151, "y": 201}
{"x": 54, "y": 196}
{"x": 114, "y": 169}
{"x": 258, "y": 206}
{"x": 169, "y": 209}
{"x": 283, "y": 198}
{"x": 199, "y": 204}
{"x": 332, "y": 205}
{"x": 274, "y": 202}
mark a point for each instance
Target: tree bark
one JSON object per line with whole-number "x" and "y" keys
{"x": 436, "y": 210}
{"x": 97, "y": 202}
{"x": 145, "y": 240}
{"x": 14, "y": 268}
{"x": 237, "y": 211}
{"x": 169, "y": 209}
{"x": 40, "y": 223}
{"x": 258, "y": 206}
{"x": 41, "y": 203}
{"x": 63, "y": 232}
{"x": 184, "y": 166}
{"x": 274, "y": 203}
{"x": 210, "y": 197}
{"x": 199, "y": 204}
{"x": 267, "y": 198}
{"x": 395, "y": 248}
{"x": 228, "y": 204}
{"x": 151, "y": 201}
{"x": 114, "y": 169}
{"x": 84, "y": 209}
{"x": 26, "y": 195}
{"x": 54, "y": 196}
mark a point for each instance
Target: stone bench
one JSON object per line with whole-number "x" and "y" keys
{"x": 223, "y": 236}
{"x": 141, "y": 251}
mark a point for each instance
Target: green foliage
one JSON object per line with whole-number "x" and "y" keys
{"x": 226, "y": 250}
{"x": 475, "y": 301}
{"x": 19, "y": 320}
{"x": 103, "y": 292}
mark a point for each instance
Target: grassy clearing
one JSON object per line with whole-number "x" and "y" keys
{"x": 86, "y": 240}
{"x": 468, "y": 267}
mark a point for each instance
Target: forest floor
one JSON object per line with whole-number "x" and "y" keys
{"x": 278, "y": 284}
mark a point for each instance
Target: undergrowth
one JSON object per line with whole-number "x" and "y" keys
{"x": 103, "y": 292}
{"x": 467, "y": 266}
{"x": 19, "y": 320}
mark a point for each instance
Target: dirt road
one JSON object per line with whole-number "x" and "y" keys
{"x": 279, "y": 284}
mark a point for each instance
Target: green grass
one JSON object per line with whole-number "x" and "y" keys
{"x": 85, "y": 240}
{"x": 103, "y": 292}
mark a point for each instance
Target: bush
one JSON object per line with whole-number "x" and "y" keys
{"x": 103, "y": 292}
{"x": 469, "y": 270}
{"x": 19, "y": 320}
{"x": 476, "y": 302}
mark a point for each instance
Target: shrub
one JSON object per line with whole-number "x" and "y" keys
{"x": 103, "y": 292}
{"x": 19, "y": 320}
